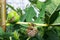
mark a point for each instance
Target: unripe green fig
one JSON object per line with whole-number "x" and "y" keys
{"x": 13, "y": 17}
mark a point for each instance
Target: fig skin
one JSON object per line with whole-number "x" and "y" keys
{"x": 13, "y": 17}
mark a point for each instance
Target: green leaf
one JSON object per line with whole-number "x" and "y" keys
{"x": 51, "y": 12}
{"x": 19, "y": 11}
{"x": 40, "y": 18}
{"x": 58, "y": 8}
{"x": 39, "y": 4}
{"x": 16, "y": 35}
{"x": 51, "y": 8}
{"x": 11, "y": 7}
{"x": 58, "y": 19}
{"x": 51, "y": 19}
{"x": 58, "y": 30}
{"x": 29, "y": 14}
{"x": 51, "y": 34}
{"x": 56, "y": 2}
{"x": 1, "y": 31}
{"x": 33, "y": 1}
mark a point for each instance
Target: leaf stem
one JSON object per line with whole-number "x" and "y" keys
{"x": 28, "y": 38}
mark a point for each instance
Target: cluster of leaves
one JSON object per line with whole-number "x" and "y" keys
{"x": 49, "y": 13}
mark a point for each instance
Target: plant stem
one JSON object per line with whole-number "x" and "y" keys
{"x": 37, "y": 24}
{"x": 28, "y": 38}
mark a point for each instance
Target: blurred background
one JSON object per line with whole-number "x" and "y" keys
{"x": 18, "y": 4}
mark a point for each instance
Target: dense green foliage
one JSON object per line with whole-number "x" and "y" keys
{"x": 49, "y": 13}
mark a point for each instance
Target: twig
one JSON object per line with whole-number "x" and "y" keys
{"x": 28, "y": 38}
{"x": 56, "y": 24}
{"x": 37, "y": 24}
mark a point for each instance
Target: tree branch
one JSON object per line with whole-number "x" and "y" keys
{"x": 37, "y": 24}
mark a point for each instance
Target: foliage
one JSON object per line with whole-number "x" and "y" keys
{"x": 49, "y": 13}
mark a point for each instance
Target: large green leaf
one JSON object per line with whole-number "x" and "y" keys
{"x": 51, "y": 8}
{"x": 51, "y": 19}
{"x": 40, "y": 18}
{"x": 29, "y": 14}
{"x": 52, "y": 13}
